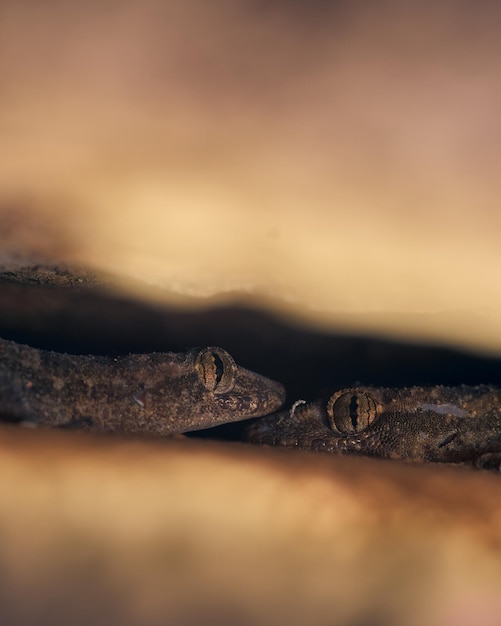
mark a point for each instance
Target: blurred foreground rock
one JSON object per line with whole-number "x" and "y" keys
{"x": 102, "y": 529}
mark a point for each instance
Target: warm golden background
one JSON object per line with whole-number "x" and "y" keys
{"x": 339, "y": 160}
{"x": 336, "y": 161}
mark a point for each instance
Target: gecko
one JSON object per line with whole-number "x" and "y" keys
{"x": 430, "y": 424}
{"x": 154, "y": 393}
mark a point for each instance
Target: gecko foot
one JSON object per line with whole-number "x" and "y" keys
{"x": 489, "y": 461}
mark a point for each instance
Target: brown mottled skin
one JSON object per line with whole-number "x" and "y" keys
{"x": 156, "y": 393}
{"x": 438, "y": 424}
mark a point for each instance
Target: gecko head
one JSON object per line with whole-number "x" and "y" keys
{"x": 351, "y": 411}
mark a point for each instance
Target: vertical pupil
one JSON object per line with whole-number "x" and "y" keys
{"x": 354, "y": 412}
{"x": 219, "y": 367}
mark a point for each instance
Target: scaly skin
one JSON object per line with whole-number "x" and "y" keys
{"x": 435, "y": 424}
{"x": 156, "y": 393}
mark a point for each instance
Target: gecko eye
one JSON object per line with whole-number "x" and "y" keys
{"x": 351, "y": 411}
{"x": 216, "y": 369}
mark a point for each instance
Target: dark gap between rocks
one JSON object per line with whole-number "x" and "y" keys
{"x": 84, "y": 319}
